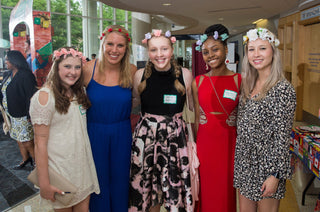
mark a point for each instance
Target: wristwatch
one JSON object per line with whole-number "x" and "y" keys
{"x": 275, "y": 174}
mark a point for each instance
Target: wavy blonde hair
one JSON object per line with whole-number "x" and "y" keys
{"x": 250, "y": 74}
{"x": 62, "y": 101}
{"x": 148, "y": 71}
{"x": 125, "y": 80}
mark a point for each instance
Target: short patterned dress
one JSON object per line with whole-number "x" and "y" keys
{"x": 159, "y": 156}
{"x": 21, "y": 128}
{"x": 263, "y": 139}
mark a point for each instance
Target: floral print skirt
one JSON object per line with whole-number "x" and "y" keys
{"x": 21, "y": 129}
{"x": 160, "y": 172}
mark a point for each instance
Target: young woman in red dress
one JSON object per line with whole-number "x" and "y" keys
{"x": 216, "y": 96}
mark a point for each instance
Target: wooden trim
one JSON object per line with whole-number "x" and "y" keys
{"x": 310, "y": 21}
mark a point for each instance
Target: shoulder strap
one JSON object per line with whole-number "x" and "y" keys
{"x": 94, "y": 68}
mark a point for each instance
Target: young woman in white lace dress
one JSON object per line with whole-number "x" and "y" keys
{"x": 58, "y": 115}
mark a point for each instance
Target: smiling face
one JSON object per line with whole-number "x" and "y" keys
{"x": 114, "y": 48}
{"x": 160, "y": 52}
{"x": 260, "y": 54}
{"x": 214, "y": 53}
{"x": 69, "y": 71}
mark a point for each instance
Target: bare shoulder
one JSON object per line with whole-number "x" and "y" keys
{"x": 133, "y": 70}
{"x": 87, "y": 71}
{"x": 187, "y": 73}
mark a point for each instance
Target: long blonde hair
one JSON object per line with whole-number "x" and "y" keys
{"x": 125, "y": 80}
{"x": 250, "y": 75}
{"x": 177, "y": 72}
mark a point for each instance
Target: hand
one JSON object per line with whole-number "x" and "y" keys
{"x": 47, "y": 192}
{"x": 269, "y": 186}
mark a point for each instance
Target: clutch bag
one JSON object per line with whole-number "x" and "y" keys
{"x": 58, "y": 181}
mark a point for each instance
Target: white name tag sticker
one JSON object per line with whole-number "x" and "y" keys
{"x": 169, "y": 99}
{"x": 230, "y": 94}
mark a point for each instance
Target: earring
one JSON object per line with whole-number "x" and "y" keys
{"x": 227, "y": 61}
{"x": 207, "y": 67}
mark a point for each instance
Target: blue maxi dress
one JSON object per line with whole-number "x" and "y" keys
{"x": 109, "y": 130}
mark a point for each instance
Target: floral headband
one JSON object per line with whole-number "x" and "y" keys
{"x": 215, "y": 36}
{"x": 157, "y": 33}
{"x": 261, "y": 33}
{"x": 116, "y": 30}
{"x": 57, "y": 54}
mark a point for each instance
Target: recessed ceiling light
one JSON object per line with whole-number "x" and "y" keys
{"x": 220, "y": 19}
{"x": 166, "y": 4}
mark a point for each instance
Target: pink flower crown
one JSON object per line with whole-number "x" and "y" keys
{"x": 157, "y": 33}
{"x": 64, "y": 52}
{"x": 119, "y": 30}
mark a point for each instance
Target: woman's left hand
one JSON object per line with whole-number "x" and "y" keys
{"x": 269, "y": 186}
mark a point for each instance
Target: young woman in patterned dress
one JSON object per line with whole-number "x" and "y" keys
{"x": 265, "y": 116}
{"x": 159, "y": 159}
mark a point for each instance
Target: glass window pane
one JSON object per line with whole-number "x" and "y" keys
{"x": 5, "y": 22}
{"x": 76, "y": 33}
{"x": 40, "y": 5}
{"x": 76, "y": 7}
{"x": 9, "y": 3}
{"x": 120, "y": 15}
{"x": 107, "y": 12}
{"x": 58, "y": 6}
{"x": 59, "y": 38}
{"x": 107, "y": 23}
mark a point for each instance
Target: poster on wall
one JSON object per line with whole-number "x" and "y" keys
{"x": 26, "y": 24}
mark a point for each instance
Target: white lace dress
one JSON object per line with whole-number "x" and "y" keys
{"x": 69, "y": 150}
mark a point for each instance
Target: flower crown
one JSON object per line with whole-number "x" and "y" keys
{"x": 263, "y": 34}
{"x": 116, "y": 30}
{"x": 64, "y": 52}
{"x": 157, "y": 33}
{"x": 215, "y": 36}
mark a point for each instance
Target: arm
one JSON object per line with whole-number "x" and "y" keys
{"x": 88, "y": 71}
{"x": 283, "y": 113}
{"x": 136, "y": 82}
{"x": 41, "y": 137}
{"x": 187, "y": 76}
{"x": 196, "y": 107}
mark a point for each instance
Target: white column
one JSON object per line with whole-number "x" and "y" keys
{"x": 68, "y": 24}
{"x": 92, "y": 30}
{"x": 141, "y": 24}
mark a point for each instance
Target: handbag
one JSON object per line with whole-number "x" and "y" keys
{"x": 193, "y": 157}
{"x": 58, "y": 181}
{"x": 6, "y": 126}
{"x": 232, "y": 117}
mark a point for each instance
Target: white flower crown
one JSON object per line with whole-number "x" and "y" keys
{"x": 263, "y": 34}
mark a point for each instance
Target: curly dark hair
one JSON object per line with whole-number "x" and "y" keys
{"x": 221, "y": 29}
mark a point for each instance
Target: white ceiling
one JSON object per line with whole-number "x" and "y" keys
{"x": 194, "y": 16}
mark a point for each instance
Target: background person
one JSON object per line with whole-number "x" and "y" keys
{"x": 160, "y": 172}
{"x": 216, "y": 96}
{"x": 109, "y": 81}
{"x": 58, "y": 114}
{"x": 16, "y": 91}
{"x": 266, "y": 110}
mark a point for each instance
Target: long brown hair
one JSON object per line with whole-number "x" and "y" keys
{"x": 62, "y": 101}
{"x": 125, "y": 80}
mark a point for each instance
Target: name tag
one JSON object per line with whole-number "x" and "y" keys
{"x": 169, "y": 99}
{"x": 82, "y": 110}
{"x": 230, "y": 94}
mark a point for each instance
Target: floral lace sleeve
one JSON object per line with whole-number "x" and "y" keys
{"x": 42, "y": 114}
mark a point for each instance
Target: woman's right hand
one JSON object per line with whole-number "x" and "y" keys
{"x": 47, "y": 192}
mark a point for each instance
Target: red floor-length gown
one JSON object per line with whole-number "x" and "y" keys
{"x": 216, "y": 142}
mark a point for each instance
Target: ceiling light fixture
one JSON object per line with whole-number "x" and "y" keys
{"x": 257, "y": 21}
{"x": 166, "y": 4}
